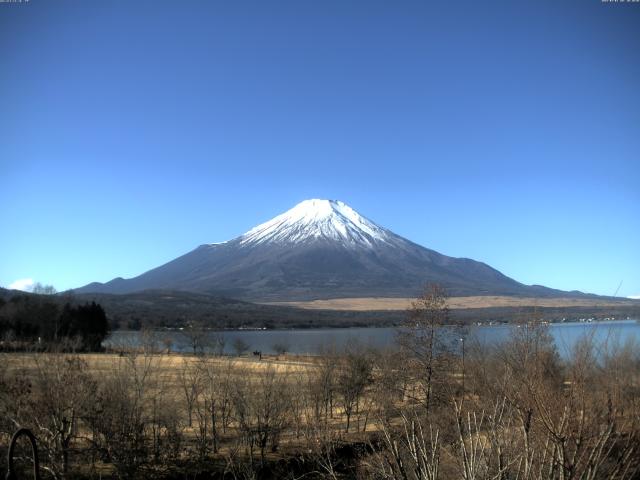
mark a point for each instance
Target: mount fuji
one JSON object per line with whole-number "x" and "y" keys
{"x": 319, "y": 249}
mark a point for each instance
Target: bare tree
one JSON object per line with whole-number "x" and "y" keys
{"x": 322, "y": 384}
{"x": 299, "y": 401}
{"x": 61, "y": 391}
{"x": 262, "y": 410}
{"x": 354, "y": 376}
{"x": 167, "y": 342}
{"x": 421, "y": 341}
{"x": 149, "y": 341}
{"x": 549, "y": 420}
{"x": 165, "y": 427}
{"x": 218, "y": 342}
{"x": 391, "y": 383}
{"x": 240, "y": 346}
{"x": 214, "y": 402}
{"x": 119, "y": 416}
{"x": 41, "y": 289}
{"x": 190, "y": 379}
{"x": 280, "y": 348}
{"x": 196, "y": 336}
{"x": 411, "y": 452}
{"x": 322, "y": 441}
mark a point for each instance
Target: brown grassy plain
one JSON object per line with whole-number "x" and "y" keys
{"x": 165, "y": 380}
{"x": 394, "y": 304}
{"x": 502, "y": 405}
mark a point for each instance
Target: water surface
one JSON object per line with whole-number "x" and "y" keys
{"x": 312, "y": 341}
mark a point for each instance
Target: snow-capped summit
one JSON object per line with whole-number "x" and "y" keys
{"x": 319, "y": 249}
{"x": 318, "y": 219}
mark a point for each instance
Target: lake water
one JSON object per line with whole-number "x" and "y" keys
{"x": 311, "y": 341}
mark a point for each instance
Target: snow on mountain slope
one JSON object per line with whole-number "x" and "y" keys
{"x": 319, "y": 249}
{"x": 318, "y": 220}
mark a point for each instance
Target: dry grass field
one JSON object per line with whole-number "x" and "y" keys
{"x": 263, "y": 400}
{"x": 392, "y": 304}
{"x": 349, "y": 414}
{"x": 169, "y": 366}
{"x": 169, "y": 374}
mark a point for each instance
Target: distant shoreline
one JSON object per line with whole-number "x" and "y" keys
{"x": 591, "y": 321}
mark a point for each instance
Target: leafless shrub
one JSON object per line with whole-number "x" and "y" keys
{"x": 409, "y": 452}
{"x": 49, "y": 401}
{"x": 322, "y": 385}
{"x": 525, "y": 412}
{"x": 262, "y": 410}
{"x": 353, "y": 377}
{"x": 213, "y": 402}
{"x": 280, "y": 348}
{"x": 196, "y": 336}
{"x": 190, "y": 379}
{"x": 165, "y": 429}
{"x": 119, "y": 416}
{"x": 240, "y": 346}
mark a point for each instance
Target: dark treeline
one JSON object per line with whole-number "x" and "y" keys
{"x": 156, "y": 309}
{"x": 171, "y": 309}
{"x": 159, "y": 310}
{"x": 28, "y": 319}
{"x": 427, "y": 410}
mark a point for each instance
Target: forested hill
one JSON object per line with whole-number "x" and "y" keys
{"x": 157, "y": 309}
{"x": 160, "y": 309}
{"x": 174, "y": 309}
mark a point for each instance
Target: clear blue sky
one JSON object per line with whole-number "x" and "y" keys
{"x": 508, "y": 132}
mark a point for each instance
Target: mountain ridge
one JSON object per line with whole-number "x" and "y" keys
{"x": 320, "y": 249}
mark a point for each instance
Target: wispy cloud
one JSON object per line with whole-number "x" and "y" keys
{"x": 25, "y": 284}
{"x": 634, "y": 297}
